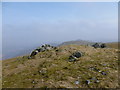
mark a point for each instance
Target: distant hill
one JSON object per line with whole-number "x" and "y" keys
{"x": 77, "y": 42}
{"x": 83, "y": 42}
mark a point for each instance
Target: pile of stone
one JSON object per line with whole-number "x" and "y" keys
{"x": 97, "y": 45}
{"x": 75, "y": 56}
{"x": 43, "y": 48}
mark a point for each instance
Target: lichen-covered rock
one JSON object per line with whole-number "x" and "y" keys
{"x": 74, "y": 56}
{"x": 77, "y": 54}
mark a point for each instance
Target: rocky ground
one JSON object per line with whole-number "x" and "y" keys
{"x": 97, "y": 68}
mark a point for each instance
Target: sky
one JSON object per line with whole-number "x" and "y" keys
{"x": 26, "y": 24}
{"x": 0, "y": 31}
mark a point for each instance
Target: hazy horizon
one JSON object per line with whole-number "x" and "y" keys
{"x": 28, "y": 24}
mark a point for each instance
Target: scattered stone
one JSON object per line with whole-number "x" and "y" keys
{"x": 91, "y": 68}
{"x": 33, "y": 53}
{"x": 94, "y": 79}
{"x": 103, "y": 45}
{"x": 103, "y": 73}
{"x": 96, "y": 45}
{"x": 99, "y": 71}
{"x": 43, "y": 71}
{"x": 97, "y": 81}
{"x": 33, "y": 82}
{"x": 87, "y": 82}
{"x": 77, "y": 82}
{"x": 72, "y": 58}
{"x": 95, "y": 69}
{"x": 65, "y": 68}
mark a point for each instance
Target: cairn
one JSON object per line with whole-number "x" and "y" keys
{"x": 43, "y": 48}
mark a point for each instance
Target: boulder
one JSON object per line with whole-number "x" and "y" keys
{"x": 72, "y": 58}
{"x": 103, "y": 45}
{"x": 96, "y": 45}
{"x": 33, "y": 53}
{"x": 77, "y": 54}
{"x": 87, "y": 82}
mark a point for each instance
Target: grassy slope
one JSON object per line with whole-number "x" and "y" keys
{"x": 113, "y": 45}
{"x": 57, "y": 72}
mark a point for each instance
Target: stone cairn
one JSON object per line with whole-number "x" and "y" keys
{"x": 43, "y": 48}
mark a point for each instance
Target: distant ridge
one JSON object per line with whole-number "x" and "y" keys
{"x": 78, "y": 42}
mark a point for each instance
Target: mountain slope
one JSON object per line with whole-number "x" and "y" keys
{"x": 51, "y": 69}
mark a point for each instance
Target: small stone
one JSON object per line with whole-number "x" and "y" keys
{"x": 104, "y": 64}
{"x": 33, "y": 82}
{"x": 97, "y": 81}
{"x": 77, "y": 54}
{"x": 77, "y": 82}
{"x": 103, "y": 73}
{"x": 93, "y": 78}
{"x": 88, "y": 82}
{"x": 72, "y": 58}
{"x": 91, "y": 68}
{"x": 96, "y": 69}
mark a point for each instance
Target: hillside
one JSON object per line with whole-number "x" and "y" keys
{"x": 97, "y": 68}
{"x": 113, "y": 45}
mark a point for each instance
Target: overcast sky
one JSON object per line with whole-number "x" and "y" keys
{"x": 29, "y": 24}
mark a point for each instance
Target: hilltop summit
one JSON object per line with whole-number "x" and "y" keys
{"x": 96, "y": 68}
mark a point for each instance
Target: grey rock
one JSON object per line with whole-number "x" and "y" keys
{"x": 96, "y": 45}
{"x": 77, "y": 54}
{"x": 94, "y": 79}
{"x": 97, "y": 81}
{"x": 103, "y": 73}
{"x": 33, "y": 53}
{"x": 103, "y": 45}
{"x": 77, "y": 82}
{"x": 41, "y": 49}
{"x": 72, "y": 58}
{"x": 87, "y": 81}
{"x": 33, "y": 82}
{"x": 91, "y": 68}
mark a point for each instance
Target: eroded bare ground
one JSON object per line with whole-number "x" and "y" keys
{"x": 97, "y": 68}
